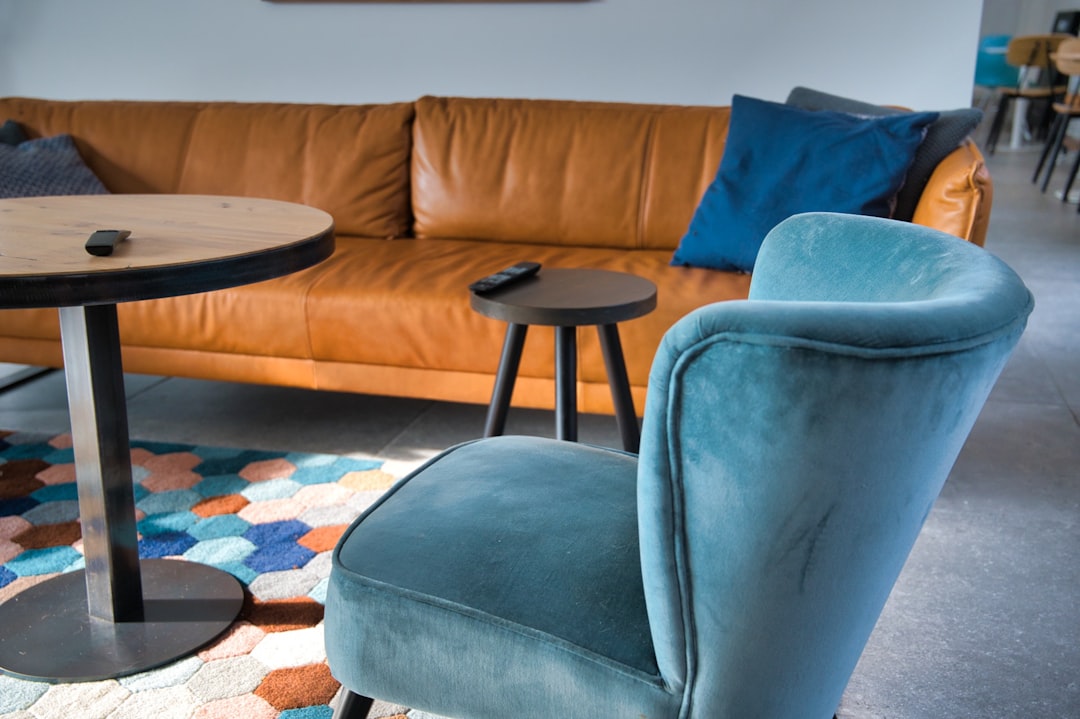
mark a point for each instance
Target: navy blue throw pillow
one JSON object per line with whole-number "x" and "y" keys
{"x": 47, "y": 166}
{"x": 780, "y": 161}
{"x": 11, "y": 133}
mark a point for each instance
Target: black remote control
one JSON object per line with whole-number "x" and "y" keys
{"x": 103, "y": 242}
{"x": 504, "y": 277}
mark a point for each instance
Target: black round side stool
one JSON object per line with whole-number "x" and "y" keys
{"x": 567, "y": 299}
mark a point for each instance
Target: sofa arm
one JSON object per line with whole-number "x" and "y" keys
{"x": 958, "y": 196}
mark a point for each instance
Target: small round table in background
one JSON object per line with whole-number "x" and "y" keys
{"x": 567, "y": 299}
{"x": 121, "y": 615}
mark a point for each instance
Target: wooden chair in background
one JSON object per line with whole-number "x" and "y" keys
{"x": 1067, "y": 61}
{"x": 1036, "y": 81}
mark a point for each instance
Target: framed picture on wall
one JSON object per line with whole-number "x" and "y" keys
{"x": 417, "y": 2}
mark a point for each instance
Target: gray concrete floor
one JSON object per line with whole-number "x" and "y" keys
{"x": 985, "y": 619}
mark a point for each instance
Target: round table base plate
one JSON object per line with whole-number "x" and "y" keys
{"x": 46, "y": 632}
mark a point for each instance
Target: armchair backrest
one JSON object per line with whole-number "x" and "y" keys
{"x": 793, "y": 445}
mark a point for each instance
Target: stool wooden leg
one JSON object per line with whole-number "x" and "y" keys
{"x": 504, "y": 379}
{"x": 620, "y": 387}
{"x": 566, "y": 383}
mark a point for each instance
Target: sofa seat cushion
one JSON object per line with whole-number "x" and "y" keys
{"x": 39, "y": 323}
{"x": 573, "y": 611}
{"x": 261, "y": 319}
{"x": 405, "y": 303}
{"x": 264, "y": 318}
{"x": 391, "y": 303}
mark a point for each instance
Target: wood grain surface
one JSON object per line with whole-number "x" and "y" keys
{"x": 179, "y": 244}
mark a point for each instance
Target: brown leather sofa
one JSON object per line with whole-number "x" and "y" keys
{"x": 426, "y": 196}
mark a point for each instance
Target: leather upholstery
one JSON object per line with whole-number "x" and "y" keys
{"x": 351, "y": 161}
{"x": 958, "y": 196}
{"x": 583, "y": 174}
{"x": 465, "y": 187}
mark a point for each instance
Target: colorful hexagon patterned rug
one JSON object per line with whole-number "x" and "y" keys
{"x": 270, "y": 519}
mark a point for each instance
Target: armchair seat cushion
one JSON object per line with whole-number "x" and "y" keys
{"x": 491, "y": 589}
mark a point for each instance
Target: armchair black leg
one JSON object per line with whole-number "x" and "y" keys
{"x": 352, "y": 706}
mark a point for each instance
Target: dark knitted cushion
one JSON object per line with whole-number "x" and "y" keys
{"x": 942, "y": 137}
{"x": 48, "y": 166}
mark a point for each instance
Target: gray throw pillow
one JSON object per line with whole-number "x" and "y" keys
{"x": 11, "y": 133}
{"x": 942, "y": 137}
{"x": 47, "y": 166}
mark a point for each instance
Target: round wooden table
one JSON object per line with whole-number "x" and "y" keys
{"x": 119, "y": 615}
{"x": 567, "y": 299}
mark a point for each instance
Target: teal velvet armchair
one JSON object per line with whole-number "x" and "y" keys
{"x": 792, "y": 446}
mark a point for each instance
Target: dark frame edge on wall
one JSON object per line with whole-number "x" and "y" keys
{"x": 419, "y": 2}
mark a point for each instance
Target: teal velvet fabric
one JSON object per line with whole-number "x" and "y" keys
{"x": 792, "y": 447}
{"x": 501, "y": 580}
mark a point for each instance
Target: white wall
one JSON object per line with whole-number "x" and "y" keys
{"x": 1022, "y": 17}
{"x": 918, "y": 53}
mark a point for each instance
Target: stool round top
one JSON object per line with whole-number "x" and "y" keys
{"x": 570, "y": 297}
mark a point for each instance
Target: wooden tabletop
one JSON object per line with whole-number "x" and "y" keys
{"x": 570, "y": 297}
{"x": 179, "y": 244}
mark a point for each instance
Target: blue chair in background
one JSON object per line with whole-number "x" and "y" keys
{"x": 992, "y": 72}
{"x": 792, "y": 447}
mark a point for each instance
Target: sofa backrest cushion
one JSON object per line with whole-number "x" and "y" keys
{"x": 131, "y": 146}
{"x": 532, "y": 171}
{"x": 559, "y": 172}
{"x": 606, "y": 174}
{"x": 350, "y": 160}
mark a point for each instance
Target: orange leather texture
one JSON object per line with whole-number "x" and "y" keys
{"x": 585, "y": 174}
{"x": 467, "y": 187}
{"x": 403, "y": 304}
{"x": 349, "y": 160}
{"x": 391, "y": 305}
{"x": 352, "y": 162}
{"x": 958, "y": 196}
